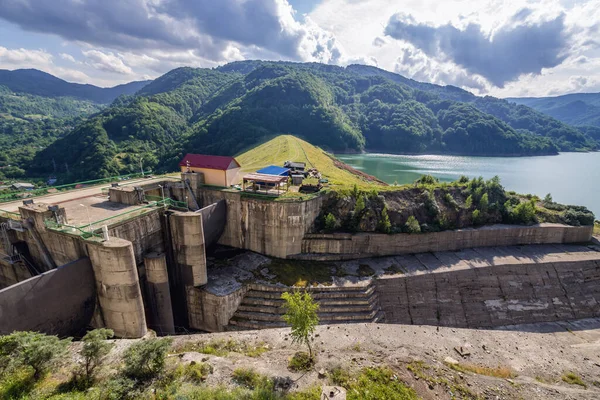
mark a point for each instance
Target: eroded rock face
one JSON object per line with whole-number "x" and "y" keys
{"x": 437, "y": 209}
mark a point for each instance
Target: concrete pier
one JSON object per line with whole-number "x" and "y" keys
{"x": 188, "y": 247}
{"x": 118, "y": 287}
{"x": 159, "y": 296}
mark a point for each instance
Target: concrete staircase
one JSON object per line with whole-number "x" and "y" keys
{"x": 262, "y": 306}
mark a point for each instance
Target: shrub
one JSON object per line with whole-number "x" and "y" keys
{"x": 119, "y": 388}
{"x": 573, "y": 379}
{"x": 301, "y": 361}
{"x": 476, "y": 217}
{"x": 463, "y": 179}
{"x": 384, "y": 225}
{"x": 431, "y": 205}
{"x": 412, "y": 225}
{"x": 301, "y": 315}
{"x": 365, "y": 270}
{"x": 197, "y": 372}
{"x": 576, "y": 218}
{"x": 484, "y": 203}
{"x": 450, "y": 201}
{"x": 330, "y": 222}
{"x": 32, "y": 349}
{"x": 469, "y": 202}
{"x": 247, "y": 377}
{"x": 94, "y": 349}
{"x": 523, "y": 213}
{"x": 146, "y": 359}
{"x": 548, "y": 199}
{"x": 427, "y": 180}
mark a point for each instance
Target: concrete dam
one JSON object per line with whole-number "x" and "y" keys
{"x": 138, "y": 257}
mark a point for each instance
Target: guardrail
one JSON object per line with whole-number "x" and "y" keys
{"x": 10, "y": 215}
{"x": 70, "y": 186}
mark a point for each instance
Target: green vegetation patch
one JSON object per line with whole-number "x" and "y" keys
{"x": 302, "y": 273}
{"x": 573, "y": 379}
{"x": 222, "y": 347}
{"x": 372, "y": 384}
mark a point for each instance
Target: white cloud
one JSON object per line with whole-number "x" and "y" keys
{"x": 107, "y": 62}
{"x": 24, "y": 58}
{"x": 67, "y": 57}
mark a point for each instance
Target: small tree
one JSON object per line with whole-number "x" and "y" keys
{"x": 146, "y": 358}
{"x": 384, "y": 224}
{"x": 33, "y": 349}
{"x": 484, "y": 203}
{"x": 95, "y": 348}
{"x": 412, "y": 225}
{"x": 330, "y": 222}
{"x": 301, "y": 315}
{"x": 548, "y": 199}
{"x": 476, "y": 217}
{"x": 469, "y": 202}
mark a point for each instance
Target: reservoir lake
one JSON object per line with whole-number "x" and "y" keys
{"x": 571, "y": 178}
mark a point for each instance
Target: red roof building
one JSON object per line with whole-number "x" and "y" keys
{"x": 217, "y": 170}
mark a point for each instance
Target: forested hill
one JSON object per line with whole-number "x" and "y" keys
{"x": 232, "y": 108}
{"x": 38, "y": 83}
{"x": 575, "y": 109}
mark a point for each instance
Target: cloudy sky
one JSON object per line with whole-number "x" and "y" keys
{"x": 501, "y": 48}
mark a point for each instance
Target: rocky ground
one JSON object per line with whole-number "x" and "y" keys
{"x": 518, "y": 362}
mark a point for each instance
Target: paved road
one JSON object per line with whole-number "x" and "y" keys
{"x": 73, "y": 194}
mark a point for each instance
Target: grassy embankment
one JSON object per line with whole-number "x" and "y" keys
{"x": 289, "y": 148}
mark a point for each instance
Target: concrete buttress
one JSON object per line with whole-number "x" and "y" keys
{"x": 188, "y": 247}
{"x": 159, "y": 296}
{"x": 118, "y": 288}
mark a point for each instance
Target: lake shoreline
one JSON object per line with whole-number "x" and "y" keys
{"x": 451, "y": 154}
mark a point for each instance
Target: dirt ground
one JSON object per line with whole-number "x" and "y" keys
{"x": 537, "y": 356}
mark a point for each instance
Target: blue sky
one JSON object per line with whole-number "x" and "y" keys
{"x": 502, "y": 48}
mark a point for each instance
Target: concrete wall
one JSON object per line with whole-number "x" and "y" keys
{"x": 364, "y": 245}
{"x": 214, "y": 218}
{"x": 145, "y": 233}
{"x": 273, "y": 228}
{"x": 59, "y": 302}
{"x": 11, "y": 274}
{"x": 209, "y": 312}
{"x": 494, "y": 296}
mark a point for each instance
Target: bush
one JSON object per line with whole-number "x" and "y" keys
{"x": 365, "y": 270}
{"x": 94, "y": 349}
{"x": 577, "y": 218}
{"x": 119, "y": 388}
{"x": 146, "y": 359}
{"x": 450, "y": 201}
{"x": 469, "y": 202}
{"x": 247, "y": 377}
{"x": 484, "y": 203}
{"x": 523, "y": 213}
{"x": 548, "y": 199}
{"x": 427, "y": 180}
{"x": 384, "y": 225}
{"x": 330, "y": 222}
{"x": 412, "y": 225}
{"x": 197, "y": 372}
{"x": 32, "y": 349}
{"x": 463, "y": 179}
{"x": 301, "y": 361}
{"x": 433, "y": 210}
{"x": 476, "y": 217}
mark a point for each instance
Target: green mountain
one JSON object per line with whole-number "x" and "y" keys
{"x": 232, "y": 108}
{"x": 38, "y": 83}
{"x": 574, "y": 109}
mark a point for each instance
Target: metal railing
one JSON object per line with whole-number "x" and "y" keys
{"x": 10, "y": 215}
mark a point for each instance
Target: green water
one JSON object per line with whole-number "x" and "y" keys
{"x": 571, "y": 178}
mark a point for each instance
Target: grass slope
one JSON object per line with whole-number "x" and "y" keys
{"x": 287, "y": 147}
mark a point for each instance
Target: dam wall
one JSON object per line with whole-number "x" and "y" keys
{"x": 273, "y": 228}
{"x": 144, "y": 232}
{"x": 495, "y": 287}
{"x": 11, "y": 274}
{"x": 58, "y": 302}
{"x": 343, "y": 246}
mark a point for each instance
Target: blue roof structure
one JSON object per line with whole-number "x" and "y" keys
{"x": 274, "y": 170}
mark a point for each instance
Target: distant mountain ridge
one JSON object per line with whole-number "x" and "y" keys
{"x": 575, "y": 109}
{"x": 231, "y": 108}
{"x": 39, "y": 83}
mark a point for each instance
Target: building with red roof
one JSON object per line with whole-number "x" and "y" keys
{"x": 217, "y": 170}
